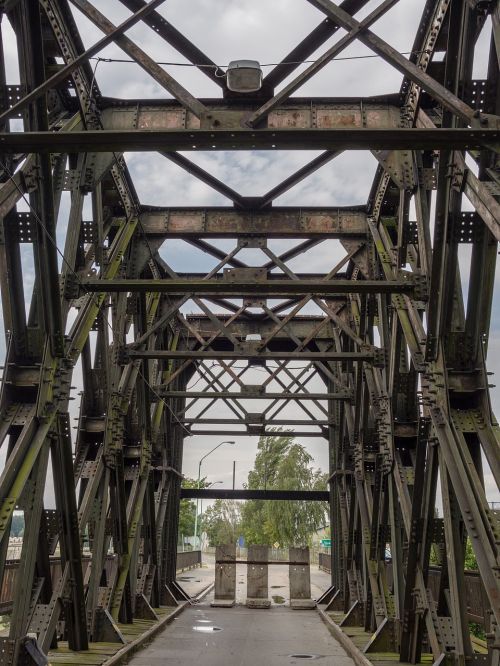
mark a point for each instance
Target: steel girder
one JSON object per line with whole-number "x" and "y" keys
{"x": 393, "y": 373}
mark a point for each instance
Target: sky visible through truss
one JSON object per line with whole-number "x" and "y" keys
{"x": 266, "y": 31}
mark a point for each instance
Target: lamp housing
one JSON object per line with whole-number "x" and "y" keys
{"x": 244, "y": 76}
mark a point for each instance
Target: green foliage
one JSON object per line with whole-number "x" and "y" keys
{"x": 470, "y": 562}
{"x": 283, "y": 464}
{"x": 222, "y": 522}
{"x": 470, "y": 557}
{"x": 435, "y": 556}
{"x": 477, "y": 630}
{"x": 187, "y": 509}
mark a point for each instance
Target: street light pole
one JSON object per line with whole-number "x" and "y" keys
{"x": 198, "y": 485}
{"x": 214, "y": 483}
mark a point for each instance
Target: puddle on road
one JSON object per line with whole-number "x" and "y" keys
{"x": 277, "y": 599}
{"x": 306, "y": 656}
{"x": 207, "y": 630}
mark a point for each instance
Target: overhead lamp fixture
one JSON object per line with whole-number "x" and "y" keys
{"x": 244, "y": 76}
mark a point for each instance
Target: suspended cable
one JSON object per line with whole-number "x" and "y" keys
{"x": 268, "y": 64}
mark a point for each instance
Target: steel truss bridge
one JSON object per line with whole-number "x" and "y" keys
{"x": 383, "y": 354}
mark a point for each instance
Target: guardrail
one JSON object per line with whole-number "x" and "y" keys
{"x": 325, "y": 561}
{"x": 186, "y": 560}
{"x": 278, "y": 554}
{"x": 478, "y": 608}
{"x": 189, "y": 559}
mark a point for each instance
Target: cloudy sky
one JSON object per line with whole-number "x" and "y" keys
{"x": 265, "y": 31}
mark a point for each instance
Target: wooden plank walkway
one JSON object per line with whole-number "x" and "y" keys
{"x": 99, "y": 653}
{"x": 360, "y": 638}
{"x": 194, "y": 585}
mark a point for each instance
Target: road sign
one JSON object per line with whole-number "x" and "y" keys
{"x": 326, "y": 543}
{"x": 276, "y": 544}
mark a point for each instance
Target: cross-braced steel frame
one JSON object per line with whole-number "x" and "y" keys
{"x": 398, "y": 352}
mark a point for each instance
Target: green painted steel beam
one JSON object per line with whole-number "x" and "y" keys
{"x": 272, "y": 288}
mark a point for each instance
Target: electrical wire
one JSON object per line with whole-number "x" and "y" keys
{"x": 214, "y": 363}
{"x": 93, "y": 76}
{"x": 289, "y": 367}
{"x": 39, "y": 220}
{"x": 267, "y": 64}
{"x": 155, "y": 393}
{"x": 191, "y": 386}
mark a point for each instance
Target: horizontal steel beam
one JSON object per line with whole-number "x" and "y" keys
{"x": 305, "y": 112}
{"x": 247, "y": 494}
{"x": 251, "y": 422}
{"x": 250, "y": 274}
{"x": 263, "y": 139}
{"x": 252, "y": 324}
{"x": 223, "y": 395}
{"x": 280, "y": 222}
{"x": 279, "y": 287}
{"x": 304, "y": 355}
{"x": 257, "y": 431}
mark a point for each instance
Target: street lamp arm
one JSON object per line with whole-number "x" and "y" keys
{"x": 212, "y": 450}
{"x": 198, "y": 484}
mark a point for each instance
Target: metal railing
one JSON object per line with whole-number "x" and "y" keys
{"x": 325, "y": 561}
{"x": 187, "y": 560}
{"x": 277, "y": 554}
{"x": 478, "y": 608}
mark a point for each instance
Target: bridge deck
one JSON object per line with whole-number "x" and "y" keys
{"x": 360, "y": 638}
{"x": 210, "y": 637}
{"x": 193, "y": 581}
{"x": 245, "y": 637}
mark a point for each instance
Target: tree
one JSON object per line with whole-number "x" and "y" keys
{"x": 283, "y": 464}
{"x": 470, "y": 560}
{"x": 222, "y": 522}
{"x": 187, "y": 508}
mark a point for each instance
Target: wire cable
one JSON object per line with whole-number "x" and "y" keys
{"x": 267, "y": 64}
